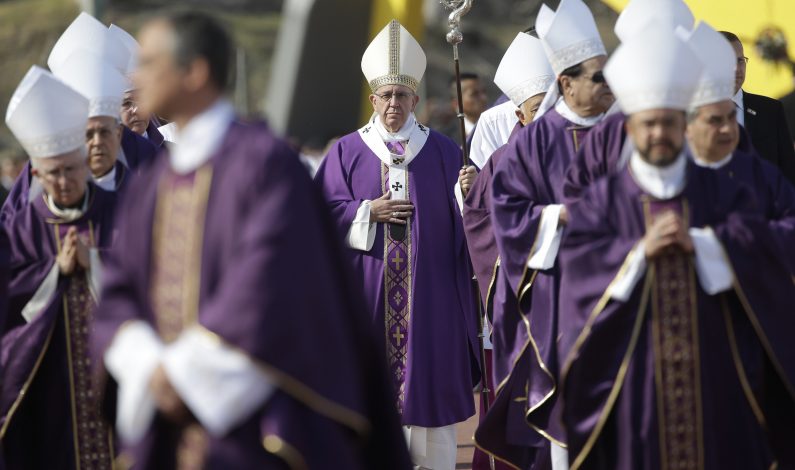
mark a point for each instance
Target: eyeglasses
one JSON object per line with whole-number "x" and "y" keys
{"x": 742, "y": 60}
{"x": 597, "y": 77}
{"x": 400, "y": 96}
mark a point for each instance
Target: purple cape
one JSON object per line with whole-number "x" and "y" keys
{"x": 270, "y": 263}
{"x": 611, "y": 400}
{"x": 528, "y": 178}
{"x": 138, "y": 150}
{"x": 37, "y": 395}
{"x": 154, "y": 135}
{"x": 441, "y": 365}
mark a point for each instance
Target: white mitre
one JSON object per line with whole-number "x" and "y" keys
{"x": 46, "y": 116}
{"x": 394, "y": 57}
{"x": 719, "y": 62}
{"x": 86, "y": 32}
{"x": 524, "y": 70}
{"x": 639, "y": 14}
{"x": 654, "y": 70}
{"x": 570, "y": 35}
{"x": 97, "y": 80}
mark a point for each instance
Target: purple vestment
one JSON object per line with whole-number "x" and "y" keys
{"x": 674, "y": 377}
{"x": 431, "y": 328}
{"x": 503, "y": 432}
{"x": 528, "y": 179}
{"x": 273, "y": 284}
{"x": 47, "y": 393}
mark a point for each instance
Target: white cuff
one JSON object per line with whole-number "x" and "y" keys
{"x": 94, "y": 273}
{"x": 221, "y": 386}
{"x": 131, "y": 359}
{"x": 547, "y": 242}
{"x": 43, "y": 295}
{"x": 361, "y": 235}
{"x": 714, "y": 272}
{"x": 459, "y": 197}
{"x": 624, "y": 284}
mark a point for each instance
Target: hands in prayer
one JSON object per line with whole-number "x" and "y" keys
{"x": 392, "y": 211}
{"x": 168, "y": 401}
{"x": 73, "y": 254}
{"x": 667, "y": 234}
{"x": 466, "y": 178}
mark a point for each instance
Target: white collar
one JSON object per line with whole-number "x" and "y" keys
{"x": 402, "y": 135}
{"x": 660, "y": 182}
{"x": 738, "y": 99}
{"x": 713, "y": 165}
{"x": 67, "y": 214}
{"x": 107, "y": 181}
{"x": 201, "y": 137}
{"x": 146, "y": 135}
{"x": 563, "y": 109}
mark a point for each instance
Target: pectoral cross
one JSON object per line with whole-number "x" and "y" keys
{"x": 397, "y": 186}
{"x": 398, "y": 260}
{"x": 366, "y": 130}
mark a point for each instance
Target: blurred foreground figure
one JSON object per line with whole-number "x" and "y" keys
{"x": 675, "y": 306}
{"x": 217, "y": 355}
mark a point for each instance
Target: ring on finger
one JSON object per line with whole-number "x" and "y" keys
{"x": 395, "y": 215}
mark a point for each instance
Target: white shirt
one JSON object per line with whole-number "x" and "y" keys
{"x": 738, "y": 101}
{"x": 494, "y": 128}
{"x": 563, "y": 109}
{"x": 713, "y": 165}
{"x": 661, "y": 182}
{"x": 106, "y": 181}
{"x": 201, "y": 137}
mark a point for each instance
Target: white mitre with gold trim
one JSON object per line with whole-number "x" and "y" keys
{"x": 653, "y": 70}
{"x": 46, "y": 116}
{"x": 639, "y": 14}
{"x": 394, "y": 57}
{"x": 97, "y": 80}
{"x": 570, "y": 35}
{"x": 719, "y": 61}
{"x": 524, "y": 70}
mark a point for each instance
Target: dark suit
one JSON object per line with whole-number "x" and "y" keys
{"x": 767, "y": 125}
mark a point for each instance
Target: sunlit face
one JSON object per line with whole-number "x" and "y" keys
{"x": 589, "y": 92}
{"x": 131, "y": 114}
{"x": 473, "y": 97}
{"x": 103, "y": 138}
{"x": 742, "y": 66}
{"x": 63, "y": 177}
{"x": 527, "y": 110}
{"x": 158, "y": 79}
{"x": 658, "y": 134}
{"x": 714, "y": 133}
{"x": 394, "y": 104}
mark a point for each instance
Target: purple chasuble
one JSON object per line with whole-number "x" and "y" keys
{"x": 50, "y": 413}
{"x": 528, "y": 179}
{"x": 261, "y": 270}
{"x": 674, "y": 377}
{"x": 154, "y": 135}
{"x": 418, "y": 290}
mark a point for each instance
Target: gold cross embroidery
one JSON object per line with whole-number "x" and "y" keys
{"x": 398, "y": 260}
{"x": 398, "y": 336}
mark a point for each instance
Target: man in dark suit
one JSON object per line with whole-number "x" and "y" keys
{"x": 763, "y": 118}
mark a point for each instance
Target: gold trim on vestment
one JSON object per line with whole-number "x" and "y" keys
{"x": 492, "y": 454}
{"x": 739, "y": 367}
{"x": 622, "y": 371}
{"x": 280, "y": 448}
{"x": 489, "y": 300}
{"x": 299, "y": 390}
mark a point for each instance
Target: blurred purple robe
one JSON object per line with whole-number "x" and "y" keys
{"x": 47, "y": 389}
{"x": 502, "y": 432}
{"x": 528, "y": 178}
{"x": 434, "y": 357}
{"x": 721, "y": 394}
{"x": 273, "y": 284}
